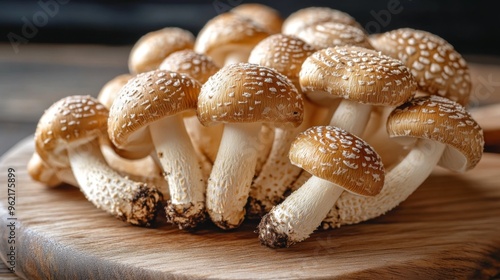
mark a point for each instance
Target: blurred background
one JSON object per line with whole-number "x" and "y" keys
{"x": 54, "y": 48}
{"x": 471, "y": 26}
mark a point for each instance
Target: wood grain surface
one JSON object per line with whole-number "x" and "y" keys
{"x": 489, "y": 118}
{"x": 449, "y": 229}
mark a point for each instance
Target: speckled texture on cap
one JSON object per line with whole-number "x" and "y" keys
{"x": 248, "y": 92}
{"x": 313, "y": 15}
{"x": 359, "y": 74}
{"x": 439, "y": 119}
{"x": 438, "y": 68}
{"x": 151, "y": 49}
{"x": 333, "y": 154}
{"x": 149, "y": 97}
{"x": 330, "y": 34}
{"x": 72, "y": 119}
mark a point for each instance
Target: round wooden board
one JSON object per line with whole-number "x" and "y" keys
{"x": 449, "y": 229}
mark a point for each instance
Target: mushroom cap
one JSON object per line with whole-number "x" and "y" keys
{"x": 327, "y": 34}
{"x": 152, "y": 48}
{"x": 227, "y": 33}
{"x": 442, "y": 120}
{"x": 358, "y": 74}
{"x": 313, "y": 15}
{"x": 42, "y": 172}
{"x": 196, "y": 65}
{"x": 72, "y": 120}
{"x": 285, "y": 53}
{"x": 246, "y": 92}
{"x": 111, "y": 89}
{"x": 263, "y": 15}
{"x": 340, "y": 157}
{"x": 438, "y": 68}
{"x": 147, "y": 98}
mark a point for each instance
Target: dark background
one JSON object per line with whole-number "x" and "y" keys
{"x": 471, "y": 26}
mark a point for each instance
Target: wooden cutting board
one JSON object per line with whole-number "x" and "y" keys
{"x": 449, "y": 229}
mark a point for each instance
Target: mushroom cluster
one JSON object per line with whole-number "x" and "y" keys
{"x": 302, "y": 123}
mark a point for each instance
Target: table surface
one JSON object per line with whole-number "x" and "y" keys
{"x": 38, "y": 75}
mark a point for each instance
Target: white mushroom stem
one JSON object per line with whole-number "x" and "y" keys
{"x": 266, "y": 140}
{"x": 278, "y": 173}
{"x": 232, "y": 173}
{"x": 376, "y": 135}
{"x": 351, "y": 116}
{"x": 294, "y": 219}
{"x": 182, "y": 171}
{"x": 133, "y": 202}
{"x": 205, "y": 139}
{"x": 400, "y": 182}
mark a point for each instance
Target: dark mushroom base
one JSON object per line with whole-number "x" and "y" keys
{"x": 143, "y": 207}
{"x": 269, "y": 236}
{"x": 186, "y": 218}
{"x": 255, "y": 209}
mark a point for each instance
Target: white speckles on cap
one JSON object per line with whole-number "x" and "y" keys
{"x": 276, "y": 100}
{"x": 346, "y": 160}
{"x": 358, "y": 74}
{"x": 198, "y": 66}
{"x": 438, "y": 68}
{"x": 264, "y": 16}
{"x": 439, "y": 119}
{"x": 227, "y": 33}
{"x": 152, "y": 48}
{"x": 330, "y": 34}
{"x": 313, "y": 15}
{"x": 168, "y": 93}
{"x": 69, "y": 120}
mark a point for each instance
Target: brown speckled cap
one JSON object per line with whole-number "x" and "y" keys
{"x": 196, "y": 65}
{"x": 151, "y": 49}
{"x": 264, "y": 16}
{"x": 330, "y": 34}
{"x": 110, "y": 90}
{"x": 313, "y": 15}
{"x": 438, "y": 68}
{"x": 72, "y": 120}
{"x": 344, "y": 159}
{"x": 358, "y": 74}
{"x": 227, "y": 33}
{"x": 246, "y": 92}
{"x": 285, "y": 53}
{"x": 443, "y": 120}
{"x": 146, "y": 98}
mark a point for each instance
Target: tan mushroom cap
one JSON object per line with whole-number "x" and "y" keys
{"x": 442, "y": 120}
{"x": 228, "y": 32}
{"x": 147, "y": 98}
{"x": 330, "y": 34}
{"x": 198, "y": 66}
{"x": 285, "y": 53}
{"x": 72, "y": 120}
{"x": 439, "y": 69}
{"x": 358, "y": 74}
{"x": 110, "y": 90}
{"x": 344, "y": 159}
{"x": 313, "y": 15}
{"x": 151, "y": 49}
{"x": 42, "y": 172}
{"x": 246, "y": 92}
{"x": 263, "y": 15}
